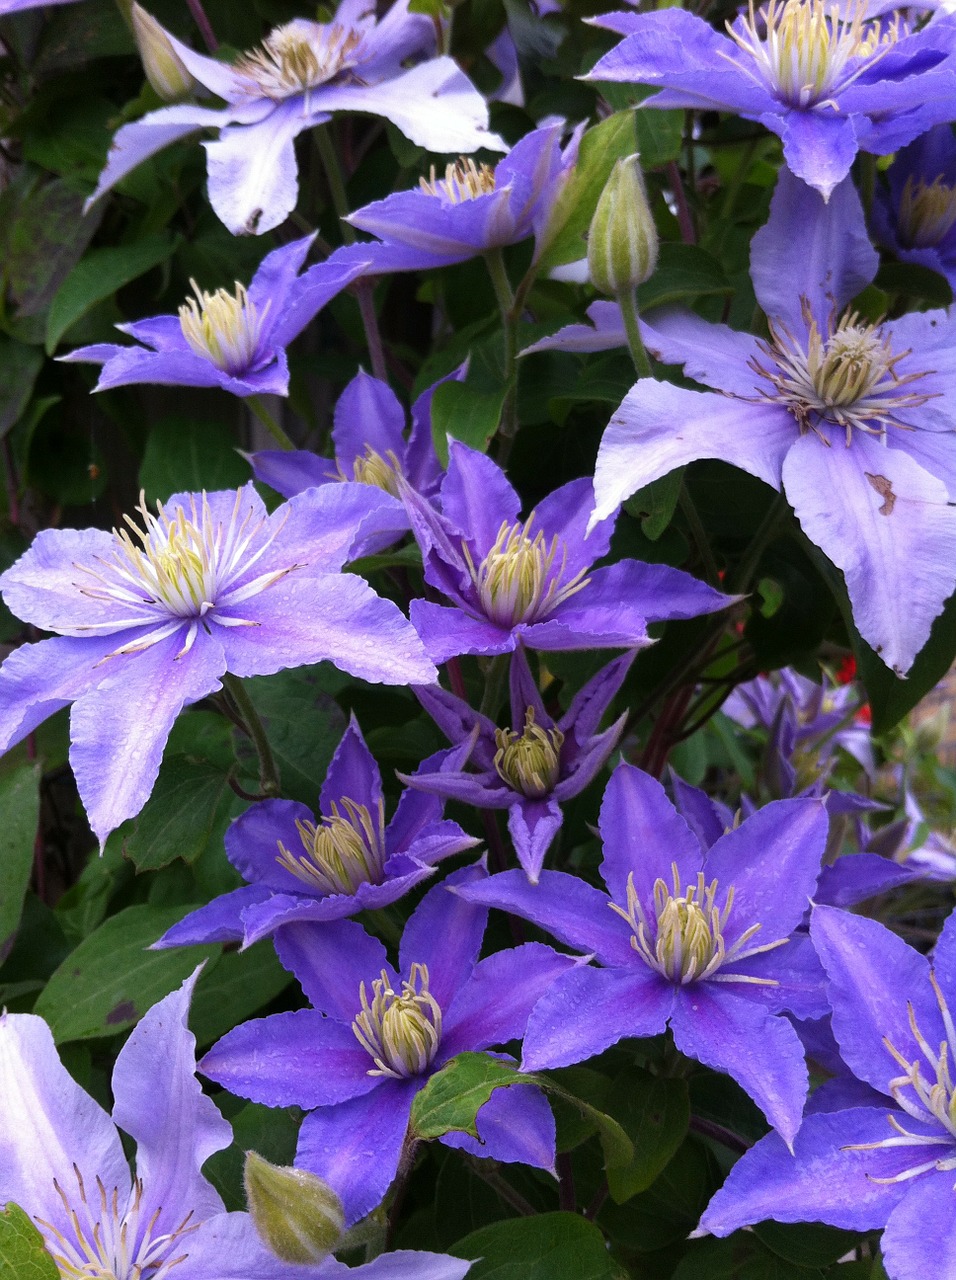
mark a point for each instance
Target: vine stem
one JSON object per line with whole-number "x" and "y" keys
{"x": 627, "y": 301}
{"x": 203, "y": 23}
{"x": 506, "y": 305}
{"x": 268, "y": 773}
{"x": 259, "y": 410}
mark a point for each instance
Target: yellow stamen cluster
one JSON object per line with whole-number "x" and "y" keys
{"x": 222, "y": 327}
{"x": 926, "y": 212}
{"x": 685, "y": 940}
{"x": 344, "y": 850}
{"x": 401, "y": 1031}
{"x": 463, "y": 180}
{"x": 519, "y": 580}
{"x": 804, "y": 51}
{"x": 530, "y": 762}
{"x": 299, "y": 56}
{"x": 371, "y": 468}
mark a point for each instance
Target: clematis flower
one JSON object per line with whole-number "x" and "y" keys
{"x": 531, "y": 768}
{"x": 347, "y": 861}
{"x": 855, "y": 421}
{"x": 376, "y": 1035}
{"x": 16, "y": 6}
{"x": 604, "y": 333}
{"x": 700, "y": 940}
{"x": 888, "y": 1164}
{"x": 828, "y": 79}
{"x": 236, "y": 340}
{"x": 62, "y": 1162}
{"x": 150, "y": 618}
{"x": 301, "y": 74}
{"x": 471, "y": 209}
{"x": 512, "y": 580}
{"x": 916, "y": 215}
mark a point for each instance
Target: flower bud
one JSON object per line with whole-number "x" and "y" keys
{"x": 297, "y": 1215}
{"x": 622, "y": 241}
{"x": 163, "y": 66}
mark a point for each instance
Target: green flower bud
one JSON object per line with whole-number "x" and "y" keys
{"x": 297, "y": 1215}
{"x": 163, "y": 67}
{"x": 622, "y": 241}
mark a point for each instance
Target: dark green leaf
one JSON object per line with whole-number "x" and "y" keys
{"x": 892, "y": 698}
{"x": 740, "y": 1257}
{"x": 683, "y": 271}
{"x": 914, "y": 282}
{"x": 111, "y": 979}
{"x": 654, "y": 505}
{"x": 454, "y": 1095}
{"x": 551, "y": 1246}
{"x": 467, "y": 413}
{"x": 22, "y": 1252}
{"x": 302, "y": 723}
{"x": 189, "y": 455}
{"x": 233, "y": 988}
{"x": 189, "y": 809}
{"x": 19, "y": 815}
{"x": 20, "y": 365}
{"x": 654, "y": 1112}
{"x": 807, "y": 1244}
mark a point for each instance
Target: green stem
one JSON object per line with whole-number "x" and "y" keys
{"x": 740, "y": 583}
{"x": 333, "y": 174}
{"x": 699, "y": 534}
{"x": 268, "y": 773}
{"x": 627, "y": 301}
{"x": 260, "y": 411}
{"x": 496, "y": 678}
{"x": 506, "y": 305}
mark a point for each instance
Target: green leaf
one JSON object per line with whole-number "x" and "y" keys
{"x": 740, "y": 1257}
{"x": 892, "y": 698}
{"x": 467, "y": 413}
{"x": 683, "y": 271}
{"x": 20, "y": 365}
{"x": 654, "y": 504}
{"x": 233, "y": 988}
{"x": 909, "y": 280}
{"x": 551, "y": 1246}
{"x": 23, "y": 1255}
{"x": 453, "y": 1096}
{"x": 19, "y": 815}
{"x": 189, "y": 809}
{"x": 189, "y": 455}
{"x": 111, "y": 979}
{"x": 303, "y": 725}
{"x": 806, "y": 1244}
{"x": 654, "y": 1112}
{"x": 99, "y": 275}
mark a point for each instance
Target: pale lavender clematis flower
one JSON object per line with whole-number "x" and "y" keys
{"x": 531, "y": 581}
{"x": 471, "y": 209}
{"x": 17, "y": 6}
{"x": 347, "y": 860}
{"x": 828, "y": 83}
{"x": 604, "y": 333}
{"x": 855, "y": 422}
{"x": 150, "y": 619}
{"x": 531, "y": 768}
{"x": 303, "y": 73}
{"x": 376, "y": 1035}
{"x": 62, "y": 1162}
{"x": 916, "y": 215}
{"x": 888, "y": 1164}
{"x": 236, "y": 340}
{"x": 700, "y": 940}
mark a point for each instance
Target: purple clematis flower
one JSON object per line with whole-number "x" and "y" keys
{"x": 150, "y": 619}
{"x": 376, "y": 1035}
{"x": 301, "y": 74}
{"x": 888, "y": 1164}
{"x": 16, "y": 6}
{"x": 855, "y": 421}
{"x": 62, "y": 1162}
{"x": 700, "y": 940}
{"x": 604, "y": 333}
{"x": 529, "y": 769}
{"x": 531, "y": 581}
{"x": 233, "y": 340}
{"x": 470, "y": 210}
{"x": 345, "y": 862}
{"x": 916, "y": 216}
{"x": 825, "y": 77}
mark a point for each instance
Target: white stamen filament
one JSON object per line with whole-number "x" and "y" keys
{"x": 372, "y": 469}
{"x": 685, "y": 941}
{"x": 223, "y": 328}
{"x": 516, "y": 580}
{"x": 530, "y": 762}
{"x": 463, "y": 180}
{"x": 343, "y": 851}
{"x": 400, "y": 1031}
{"x": 299, "y": 56}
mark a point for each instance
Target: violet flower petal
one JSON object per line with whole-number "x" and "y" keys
{"x": 331, "y": 964}
{"x": 515, "y": 1126}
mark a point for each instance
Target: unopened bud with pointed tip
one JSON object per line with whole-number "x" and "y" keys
{"x": 622, "y": 241}
{"x": 297, "y": 1215}
{"x": 163, "y": 66}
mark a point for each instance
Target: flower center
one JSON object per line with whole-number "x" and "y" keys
{"x": 846, "y": 376}
{"x": 463, "y": 180}
{"x": 342, "y": 851}
{"x": 299, "y": 56}
{"x": 804, "y": 51}
{"x": 181, "y": 566}
{"x": 530, "y": 762}
{"x": 926, "y": 212}
{"x": 224, "y": 328}
{"x": 109, "y": 1241}
{"x": 401, "y": 1031}
{"x": 925, "y": 1097}
{"x": 519, "y": 579}
{"x": 685, "y": 940}
{"x": 371, "y": 468}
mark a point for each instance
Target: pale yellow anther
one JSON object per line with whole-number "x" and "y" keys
{"x": 223, "y": 327}
{"x": 299, "y": 56}
{"x": 343, "y": 851}
{"x": 463, "y": 180}
{"x": 926, "y": 212}
{"x": 520, "y": 579}
{"x": 372, "y": 469}
{"x": 400, "y": 1030}
{"x": 530, "y": 762}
